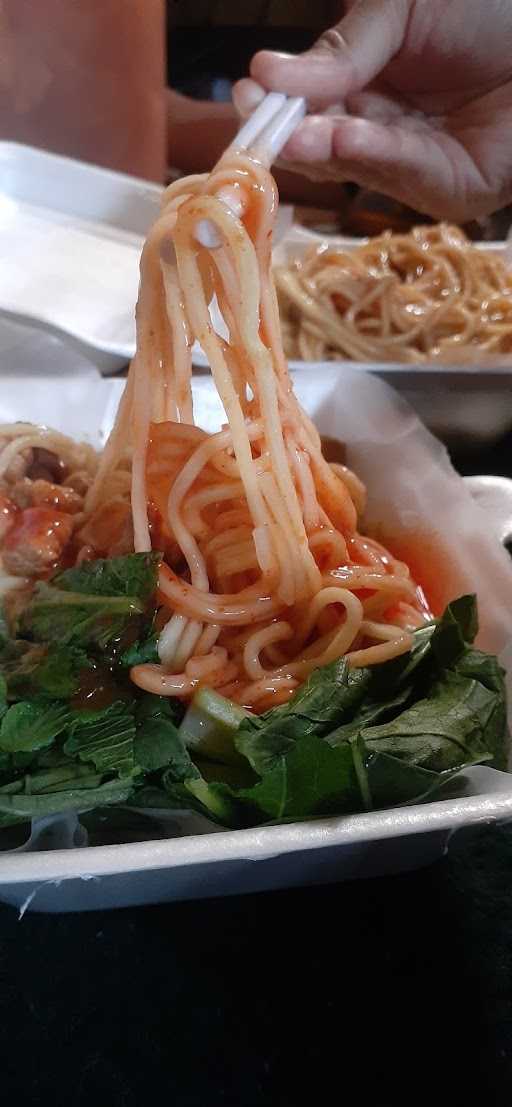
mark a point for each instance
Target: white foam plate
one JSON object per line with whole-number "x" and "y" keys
{"x": 57, "y": 871}
{"x": 71, "y": 237}
{"x": 469, "y": 404}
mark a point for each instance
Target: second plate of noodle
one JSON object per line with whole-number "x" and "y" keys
{"x": 426, "y": 296}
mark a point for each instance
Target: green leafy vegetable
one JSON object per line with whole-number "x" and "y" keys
{"x": 92, "y": 605}
{"x": 14, "y": 808}
{"x": 392, "y": 781}
{"x": 312, "y": 779}
{"x": 465, "y": 612}
{"x": 3, "y": 695}
{"x": 106, "y": 738}
{"x": 4, "y": 630}
{"x": 456, "y": 628}
{"x": 134, "y": 575}
{"x": 401, "y": 729}
{"x": 180, "y": 768}
{"x": 32, "y": 725}
{"x": 150, "y": 707}
{"x": 482, "y": 667}
{"x": 141, "y": 653}
{"x": 76, "y": 619}
{"x": 371, "y": 710}
{"x": 59, "y": 778}
{"x": 322, "y": 701}
{"x": 348, "y": 740}
{"x": 42, "y": 670}
{"x": 446, "y": 729}
{"x": 435, "y": 646}
{"x": 238, "y": 774}
{"x": 158, "y": 744}
{"x": 485, "y": 670}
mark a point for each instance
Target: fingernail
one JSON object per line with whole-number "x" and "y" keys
{"x": 247, "y": 95}
{"x": 253, "y": 95}
{"x": 281, "y": 54}
{"x": 311, "y": 141}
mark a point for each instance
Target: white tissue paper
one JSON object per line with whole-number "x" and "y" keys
{"x": 417, "y": 503}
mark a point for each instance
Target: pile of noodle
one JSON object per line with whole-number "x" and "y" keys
{"x": 265, "y": 575}
{"x": 422, "y": 296}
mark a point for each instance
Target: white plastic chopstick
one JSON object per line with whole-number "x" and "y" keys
{"x": 264, "y": 134}
{"x": 270, "y": 126}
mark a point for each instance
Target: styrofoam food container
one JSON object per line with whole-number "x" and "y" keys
{"x": 72, "y": 236}
{"x": 460, "y": 403}
{"x": 234, "y": 862}
{"x": 57, "y": 871}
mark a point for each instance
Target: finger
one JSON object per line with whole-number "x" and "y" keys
{"x": 377, "y": 106}
{"x": 312, "y": 142}
{"x": 247, "y": 95}
{"x": 427, "y": 171}
{"x": 344, "y": 59}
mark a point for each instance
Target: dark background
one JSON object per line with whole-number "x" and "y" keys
{"x": 200, "y": 58}
{"x": 390, "y": 991}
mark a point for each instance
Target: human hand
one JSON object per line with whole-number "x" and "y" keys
{"x": 411, "y": 98}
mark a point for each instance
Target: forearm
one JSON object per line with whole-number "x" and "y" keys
{"x": 86, "y": 79}
{"x": 198, "y": 131}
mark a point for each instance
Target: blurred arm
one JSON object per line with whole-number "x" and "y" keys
{"x": 86, "y": 79}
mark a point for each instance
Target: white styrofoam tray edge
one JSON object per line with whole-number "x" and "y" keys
{"x": 441, "y": 371}
{"x": 303, "y": 237}
{"x": 78, "y": 187}
{"x": 265, "y": 842}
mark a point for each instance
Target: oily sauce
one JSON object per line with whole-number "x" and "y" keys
{"x": 430, "y": 565}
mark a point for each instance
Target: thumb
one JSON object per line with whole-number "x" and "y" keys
{"x": 344, "y": 59}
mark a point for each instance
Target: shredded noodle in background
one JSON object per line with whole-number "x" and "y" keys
{"x": 428, "y": 295}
